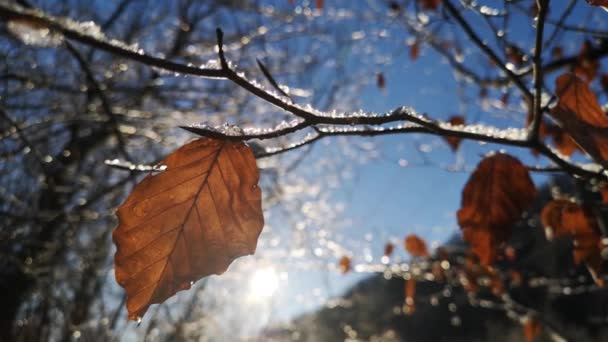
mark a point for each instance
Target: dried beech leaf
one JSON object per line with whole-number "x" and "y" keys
{"x": 562, "y": 217}
{"x": 187, "y": 222}
{"x": 454, "y": 142}
{"x": 344, "y": 264}
{"x": 580, "y": 114}
{"x": 415, "y": 246}
{"x": 496, "y": 195}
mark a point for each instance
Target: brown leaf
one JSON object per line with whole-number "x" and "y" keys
{"x": 603, "y": 3}
{"x": 604, "y": 82}
{"x": 429, "y": 4}
{"x": 514, "y": 55}
{"x": 557, "y": 52}
{"x": 562, "y": 217}
{"x": 344, "y": 264}
{"x": 319, "y": 4}
{"x": 454, "y": 142}
{"x": 415, "y": 246}
{"x": 586, "y": 66}
{"x": 388, "y": 249}
{"x": 380, "y": 81}
{"x": 410, "y": 293}
{"x": 414, "y": 50}
{"x": 563, "y": 141}
{"x": 580, "y": 114}
{"x": 531, "y": 328}
{"x": 187, "y": 222}
{"x": 496, "y": 195}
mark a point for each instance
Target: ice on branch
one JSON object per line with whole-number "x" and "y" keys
{"x": 125, "y": 165}
{"x": 33, "y": 33}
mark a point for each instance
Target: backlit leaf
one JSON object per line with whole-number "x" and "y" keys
{"x": 187, "y": 222}
{"x": 494, "y": 198}
{"x": 415, "y": 246}
{"x": 580, "y": 114}
{"x": 564, "y": 218}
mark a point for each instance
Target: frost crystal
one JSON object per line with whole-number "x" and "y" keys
{"x": 32, "y": 33}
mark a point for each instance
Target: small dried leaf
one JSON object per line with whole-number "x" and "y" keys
{"x": 410, "y": 293}
{"x": 319, "y": 4}
{"x": 388, "y": 249}
{"x": 414, "y": 50}
{"x": 344, "y": 264}
{"x": 380, "y": 81}
{"x": 580, "y": 114}
{"x": 514, "y": 55}
{"x": 531, "y": 329}
{"x": 586, "y": 66}
{"x": 188, "y": 222}
{"x": 415, "y": 246}
{"x": 496, "y": 195}
{"x": 557, "y": 52}
{"x": 562, "y": 217}
{"x": 429, "y": 4}
{"x": 454, "y": 142}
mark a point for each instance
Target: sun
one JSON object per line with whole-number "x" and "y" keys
{"x": 264, "y": 283}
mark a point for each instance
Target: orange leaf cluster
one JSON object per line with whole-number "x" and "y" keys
{"x": 187, "y": 222}
{"x": 415, "y": 246}
{"x": 496, "y": 195}
{"x": 579, "y": 112}
{"x": 564, "y": 218}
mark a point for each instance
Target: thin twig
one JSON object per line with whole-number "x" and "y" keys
{"x": 538, "y": 72}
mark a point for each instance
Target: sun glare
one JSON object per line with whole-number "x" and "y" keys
{"x": 264, "y": 283}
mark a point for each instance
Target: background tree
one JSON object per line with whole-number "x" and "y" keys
{"x": 115, "y": 81}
